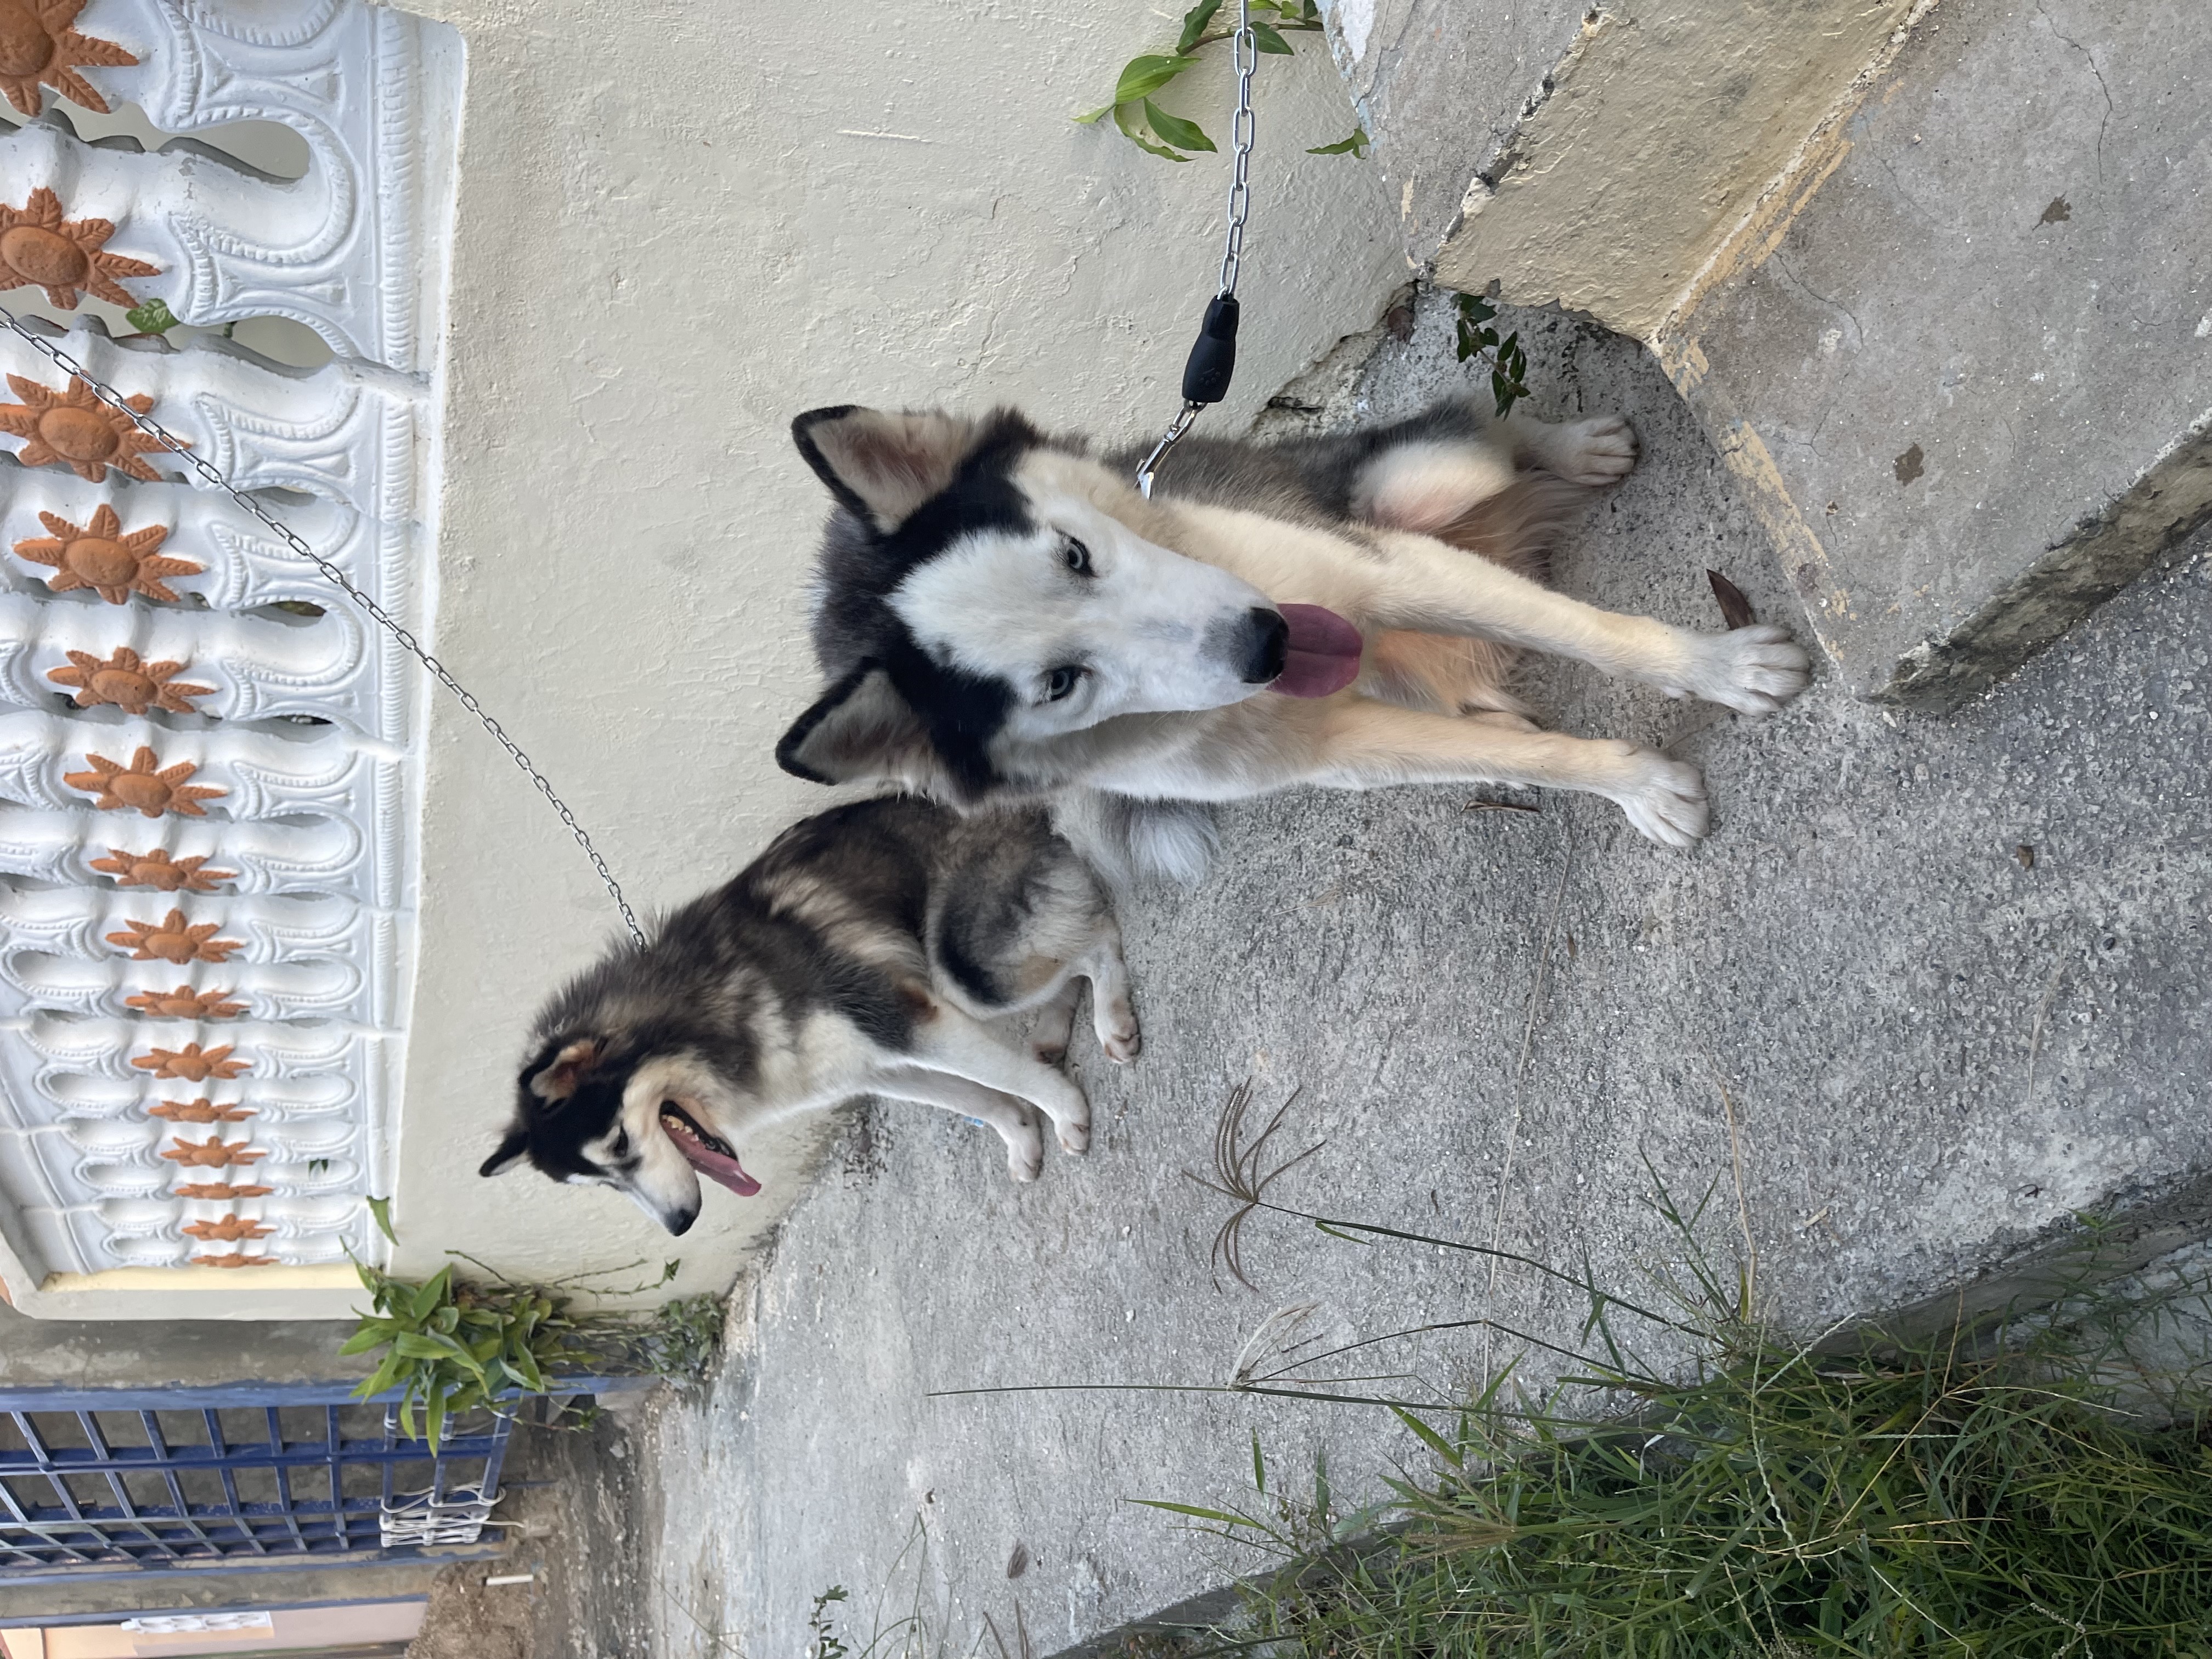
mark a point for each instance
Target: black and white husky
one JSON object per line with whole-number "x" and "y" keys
{"x": 1002, "y": 616}
{"x": 859, "y": 955}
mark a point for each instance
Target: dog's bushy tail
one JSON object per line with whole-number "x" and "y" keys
{"x": 1127, "y": 840}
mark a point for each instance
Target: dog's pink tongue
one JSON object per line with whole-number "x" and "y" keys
{"x": 723, "y": 1171}
{"x": 1323, "y": 655}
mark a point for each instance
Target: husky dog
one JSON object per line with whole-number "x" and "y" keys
{"x": 1001, "y": 616}
{"x": 859, "y": 955}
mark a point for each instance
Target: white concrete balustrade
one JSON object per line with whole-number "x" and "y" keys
{"x": 211, "y": 761}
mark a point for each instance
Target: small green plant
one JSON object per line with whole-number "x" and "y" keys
{"x": 451, "y": 1344}
{"x": 1509, "y": 364}
{"x": 2036, "y": 1487}
{"x": 151, "y": 317}
{"x": 825, "y": 1643}
{"x": 1149, "y": 127}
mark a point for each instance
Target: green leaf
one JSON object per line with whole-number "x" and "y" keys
{"x": 363, "y": 1339}
{"x": 1143, "y": 76}
{"x": 382, "y": 1378}
{"x": 1355, "y": 145}
{"x": 1188, "y": 135}
{"x": 1268, "y": 39}
{"x": 1136, "y": 132}
{"x": 1429, "y": 1437}
{"x": 1218, "y": 1517}
{"x": 430, "y": 1294}
{"x": 410, "y": 1346}
{"x": 1259, "y": 1466}
{"x": 381, "y": 1209}
{"x": 151, "y": 317}
{"x": 434, "y": 1419}
{"x": 1193, "y": 24}
{"x": 1086, "y": 120}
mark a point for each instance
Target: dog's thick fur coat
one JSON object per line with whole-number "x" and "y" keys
{"x": 1001, "y": 618}
{"x": 859, "y": 955}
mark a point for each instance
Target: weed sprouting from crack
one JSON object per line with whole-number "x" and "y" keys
{"x": 1240, "y": 1175}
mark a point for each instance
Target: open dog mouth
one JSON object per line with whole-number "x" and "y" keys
{"x": 1323, "y": 653}
{"x": 710, "y": 1155}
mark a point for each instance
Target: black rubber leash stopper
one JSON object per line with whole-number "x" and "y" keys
{"x": 1214, "y": 359}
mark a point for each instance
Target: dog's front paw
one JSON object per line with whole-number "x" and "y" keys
{"x": 1071, "y": 1126}
{"x": 1025, "y": 1154}
{"x": 1595, "y": 452}
{"x": 1665, "y": 799}
{"x": 1753, "y": 671}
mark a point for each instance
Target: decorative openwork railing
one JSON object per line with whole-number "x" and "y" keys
{"x": 209, "y": 766}
{"x": 178, "y": 1480}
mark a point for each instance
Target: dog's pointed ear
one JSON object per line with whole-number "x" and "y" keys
{"x": 861, "y": 731}
{"x": 561, "y": 1069}
{"x": 510, "y": 1154}
{"x": 881, "y": 465}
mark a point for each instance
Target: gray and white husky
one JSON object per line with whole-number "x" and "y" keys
{"x": 859, "y": 955}
{"x": 1000, "y": 616}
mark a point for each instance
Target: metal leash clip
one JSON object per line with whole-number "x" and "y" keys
{"x": 1213, "y": 360}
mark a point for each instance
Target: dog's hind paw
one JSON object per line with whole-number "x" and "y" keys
{"x": 1026, "y": 1157}
{"x": 1593, "y": 453}
{"x": 1119, "y": 1039}
{"x": 1667, "y": 801}
{"x": 1753, "y": 671}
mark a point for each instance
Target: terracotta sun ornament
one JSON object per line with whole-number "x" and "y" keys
{"x": 36, "y": 44}
{"x": 229, "y": 1230}
{"x": 158, "y": 871}
{"x": 171, "y": 939}
{"x": 145, "y": 785}
{"x": 185, "y": 1003}
{"x": 77, "y": 430}
{"x": 219, "y": 1190}
{"x": 41, "y": 249}
{"x": 202, "y": 1110}
{"x": 191, "y": 1065}
{"x": 213, "y": 1153}
{"x": 101, "y": 557}
{"x": 128, "y": 681}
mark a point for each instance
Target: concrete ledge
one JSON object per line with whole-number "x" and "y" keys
{"x": 2105, "y": 552}
{"x": 1930, "y": 276}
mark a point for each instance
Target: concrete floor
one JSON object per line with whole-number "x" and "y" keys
{"x": 1935, "y": 1042}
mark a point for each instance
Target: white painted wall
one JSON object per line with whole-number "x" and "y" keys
{"x": 679, "y": 225}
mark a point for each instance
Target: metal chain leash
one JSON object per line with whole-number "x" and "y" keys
{"x": 383, "y": 618}
{"x": 1214, "y": 359}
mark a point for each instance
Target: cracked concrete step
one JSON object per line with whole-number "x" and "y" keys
{"x": 1936, "y": 279}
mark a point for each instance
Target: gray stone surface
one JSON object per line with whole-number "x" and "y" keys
{"x": 1981, "y": 358}
{"x": 69, "y": 1353}
{"x": 1936, "y": 1046}
{"x": 1442, "y": 86}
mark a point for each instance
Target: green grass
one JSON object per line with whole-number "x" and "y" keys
{"x": 2038, "y": 1488}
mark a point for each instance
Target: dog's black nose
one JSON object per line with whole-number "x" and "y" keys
{"x": 680, "y": 1224}
{"x": 1267, "y": 640}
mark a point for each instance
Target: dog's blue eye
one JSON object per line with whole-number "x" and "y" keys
{"x": 1078, "y": 559}
{"x": 1059, "y": 683}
